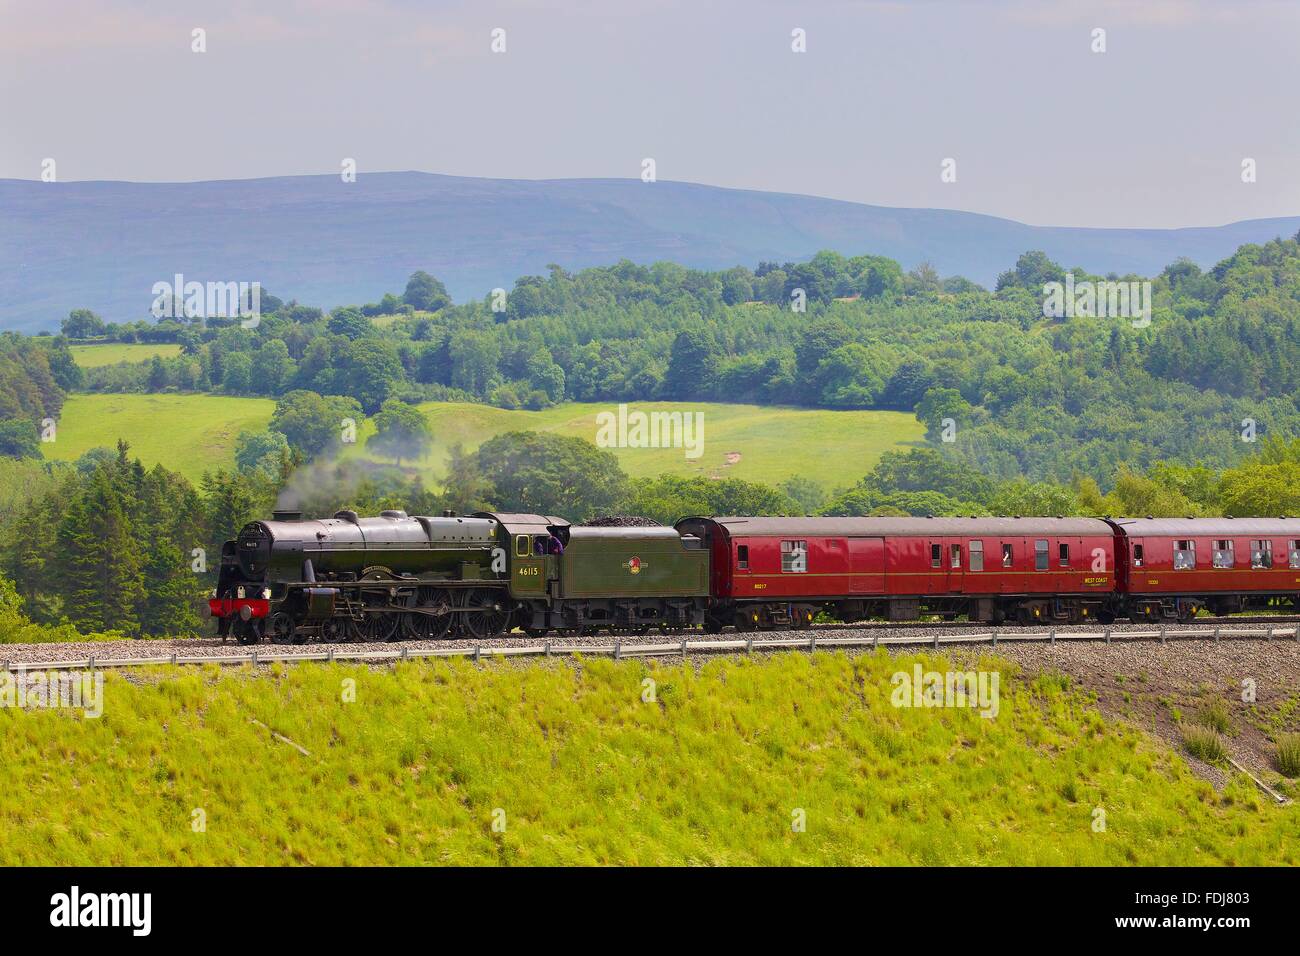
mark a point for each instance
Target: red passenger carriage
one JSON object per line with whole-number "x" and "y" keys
{"x": 770, "y": 572}
{"x": 1172, "y": 567}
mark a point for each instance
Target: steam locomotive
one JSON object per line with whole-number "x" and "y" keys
{"x": 395, "y": 576}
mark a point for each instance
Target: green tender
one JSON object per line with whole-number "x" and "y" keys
{"x": 631, "y": 562}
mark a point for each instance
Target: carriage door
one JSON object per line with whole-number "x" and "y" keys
{"x": 955, "y": 555}
{"x": 936, "y": 558}
{"x": 1012, "y": 562}
{"x": 1069, "y": 562}
{"x": 866, "y": 565}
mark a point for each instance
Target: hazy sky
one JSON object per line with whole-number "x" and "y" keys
{"x": 1151, "y": 132}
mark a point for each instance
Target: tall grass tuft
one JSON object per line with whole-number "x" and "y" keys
{"x": 1214, "y": 715}
{"x": 1288, "y": 754}
{"x": 1204, "y": 743}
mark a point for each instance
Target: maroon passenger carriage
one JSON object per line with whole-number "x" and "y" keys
{"x": 778, "y": 572}
{"x": 1169, "y": 568}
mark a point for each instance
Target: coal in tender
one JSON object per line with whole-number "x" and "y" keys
{"x": 620, "y": 521}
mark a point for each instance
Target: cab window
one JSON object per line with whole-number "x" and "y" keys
{"x": 521, "y": 545}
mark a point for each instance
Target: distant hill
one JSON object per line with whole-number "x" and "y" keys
{"x": 103, "y": 245}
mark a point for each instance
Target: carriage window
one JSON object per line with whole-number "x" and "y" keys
{"x": 1040, "y": 555}
{"x": 1261, "y": 554}
{"x": 977, "y": 555}
{"x": 1137, "y": 555}
{"x": 1065, "y": 555}
{"x": 1007, "y": 558}
{"x": 521, "y": 545}
{"x": 1184, "y": 555}
{"x": 956, "y": 556}
{"x": 936, "y": 556}
{"x": 1223, "y": 554}
{"x": 794, "y": 556}
{"x": 742, "y": 557}
{"x": 1293, "y": 553}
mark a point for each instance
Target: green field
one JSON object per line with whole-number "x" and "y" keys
{"x": 576, "y": 764}
{"x": 764, "y": 444}
{"x": 187, "y": 433}
{"x": 94, "y": 356}
{"x": 191, "y": 433}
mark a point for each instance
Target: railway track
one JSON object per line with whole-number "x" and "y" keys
{"x": 115, "y": 654}
{"x": 1209, "y": 620}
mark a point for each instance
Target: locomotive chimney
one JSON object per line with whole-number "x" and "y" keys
{"x": 286, "y": 515}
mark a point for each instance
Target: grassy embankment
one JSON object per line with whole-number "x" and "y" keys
{"x": 581, "y": 770}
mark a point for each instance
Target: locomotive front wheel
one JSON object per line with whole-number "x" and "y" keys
{"x": 248, "y": 632}
{"x": 281, "y": 628}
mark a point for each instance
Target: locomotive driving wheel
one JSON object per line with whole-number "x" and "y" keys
{"x": 376, "y": 624}
{"x": 334, "y": 630}
{"x": 485, "y": 614}
{"x": 376, "y": 627}
{"x": 429, "y": 627}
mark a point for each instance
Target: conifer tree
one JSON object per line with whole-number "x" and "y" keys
{"x": 101, "y": 564}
